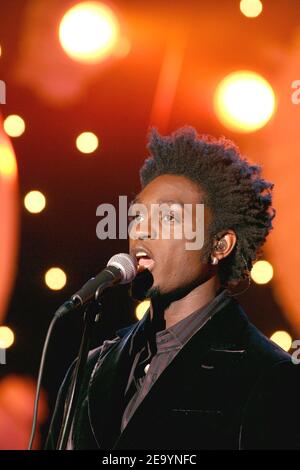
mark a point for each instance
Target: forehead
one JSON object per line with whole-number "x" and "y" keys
{"x": 174, "y": 188}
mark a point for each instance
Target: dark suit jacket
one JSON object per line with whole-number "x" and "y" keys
{"x": 228, "y": 388}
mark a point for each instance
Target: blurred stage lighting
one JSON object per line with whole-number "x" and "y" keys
{"x": 89, "y": 31}
{"x": 55, "y": 278}
{"x": 35, "y": 202}
{"x": 14, "y": 125}
{"x": 87, "y": 142}
{"x": 123, "y": 47}
{"x": 244, "y": 101}
{"x": 0, "y": 50}
{"x": 8, "y": 166}
{"x": 262, "y": 272}
{"x": 141, "y": 309}
{"x": 283, "y": 339}
{"x": 251, "y": 8}
{"x": 7, "y": 337}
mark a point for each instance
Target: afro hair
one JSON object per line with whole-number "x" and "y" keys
{"x": 238, "y": 197}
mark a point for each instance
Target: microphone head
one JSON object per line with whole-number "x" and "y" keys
{"x": 127, "y": 265}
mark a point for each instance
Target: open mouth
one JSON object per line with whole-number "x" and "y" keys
{"x": 144, "y": 261}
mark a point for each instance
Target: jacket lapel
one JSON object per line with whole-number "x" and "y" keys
{"x": 108, "y": 380}
{"x": 110, "y": 376}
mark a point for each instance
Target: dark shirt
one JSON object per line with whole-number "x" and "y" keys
{"x": 159, "y": 349}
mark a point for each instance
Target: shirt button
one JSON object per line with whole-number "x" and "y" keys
{"x": 146, "y": 368}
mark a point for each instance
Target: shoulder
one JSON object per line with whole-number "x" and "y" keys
{"x": 236, "y": 326}
{"x": 260, "y": 355}
{"x": 261, "y": 349}
{"x": 271, "y": 411}
{"x": 232, "y": 328}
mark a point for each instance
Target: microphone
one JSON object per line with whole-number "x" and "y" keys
{"x": 120, "y": 269}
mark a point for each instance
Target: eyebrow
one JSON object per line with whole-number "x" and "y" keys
{"x": 170, "y": 201}
{"x": 180, "y": 203}
{"x": 137, "y": 200}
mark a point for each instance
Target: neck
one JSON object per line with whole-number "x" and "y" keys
{"x": 182, "y": 308}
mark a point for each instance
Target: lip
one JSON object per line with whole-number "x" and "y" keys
{"x": 143, "y": 264}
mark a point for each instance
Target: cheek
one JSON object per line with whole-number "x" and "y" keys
{"x": 186, "y": 262}
{"x": 193, "y": 265}
{"x": 193, "y": 262}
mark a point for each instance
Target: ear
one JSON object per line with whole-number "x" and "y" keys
{"x": 225, "y": 245}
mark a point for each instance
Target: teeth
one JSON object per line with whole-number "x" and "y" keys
{"x": 141, "y": 253}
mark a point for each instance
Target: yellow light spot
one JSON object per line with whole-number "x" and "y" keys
{"x": 244, "y": 101}
{"x": 283, "y": 339}
{"x": 55, "y": 278}
{"x": 6, "y": 337}
{"x": 8, "y": 166}
{"x": 0, "y": 51}
{"x": 262, "y": 272}
{"x": 141, "y": 309}
{"x": 14, "y": 125}
{"x": 87, "y": 142}
{"x": 251, "y": 8}
{"x": 89, "y": 32}
{"x": 35, "y": 202}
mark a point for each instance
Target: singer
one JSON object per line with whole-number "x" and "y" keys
{"x": 194, "y": 373}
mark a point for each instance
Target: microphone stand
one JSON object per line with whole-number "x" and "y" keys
{"x": 90, "y": 317}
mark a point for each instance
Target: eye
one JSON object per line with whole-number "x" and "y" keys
{"x": 169, "y": 217}
{"x": 137, "y": 217}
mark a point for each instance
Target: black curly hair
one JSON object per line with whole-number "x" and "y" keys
{"x": 238, "y": 197}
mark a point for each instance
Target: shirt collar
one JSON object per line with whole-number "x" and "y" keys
{"x": 179, "y": 334}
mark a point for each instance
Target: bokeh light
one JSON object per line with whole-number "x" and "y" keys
{"x": 87, "y": 142}
{"x": 141, "y": 309}
{"x": 14, "y": 125}
{"x": 251, "y": 8}
{"x": 244, "y": 101}
{"x": 9, "y": 216}
{"x": 55, "y": 278}
{"x": 283, "y": 339}
{"x": 89, "y": 31}
{"x": 7, "y": 337}
{"x": 35, "y": 202}
{"x": 8, "y": 166}
{"x": 262, "y": 272}
{"x": 17, "y": 393}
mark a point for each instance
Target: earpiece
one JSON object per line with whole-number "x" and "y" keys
{"x": 221, "y": 245}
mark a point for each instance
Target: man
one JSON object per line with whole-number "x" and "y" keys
{"x": 194, "y": 373}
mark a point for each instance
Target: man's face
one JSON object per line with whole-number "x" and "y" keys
{"x": 172, "y": 265}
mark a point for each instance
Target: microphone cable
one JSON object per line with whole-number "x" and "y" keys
{"x": 39, "y": 381}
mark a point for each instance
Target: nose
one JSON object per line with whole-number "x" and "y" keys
{"x": 143, "y": 231}
{"x": 143, "y": 235}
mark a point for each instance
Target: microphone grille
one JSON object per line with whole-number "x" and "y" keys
{"x": 127, "y": 265}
